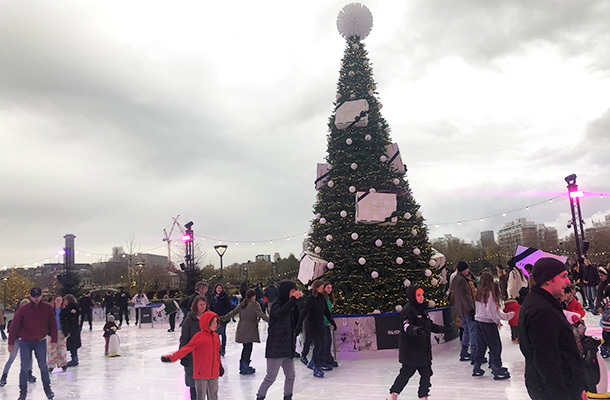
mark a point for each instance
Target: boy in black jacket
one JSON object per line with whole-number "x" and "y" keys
{"x": 415, "y": 348}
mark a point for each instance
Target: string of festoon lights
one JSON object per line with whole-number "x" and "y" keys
{"x": 176, "y": 240}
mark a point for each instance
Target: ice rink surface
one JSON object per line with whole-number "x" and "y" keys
{"x": 139, "y": 374}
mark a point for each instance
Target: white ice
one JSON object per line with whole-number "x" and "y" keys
{"x": 139, "y": 374}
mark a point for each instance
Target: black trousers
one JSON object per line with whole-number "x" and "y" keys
{"x": 318, "y": 350}
{"x": 123, "y": 310}
{"x": 246, "y": 352}
{"x": 172, "y": 321}
{"x": 306, "y": 344}
{"x": 86, "y": 315}
{"x": 406, "y": 372}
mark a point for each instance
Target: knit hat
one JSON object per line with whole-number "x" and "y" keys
{"x": 36, "y": 292}
{"x": 546, "y": 269}
{"x": 462, "y": 266}
{"x": 603, "y": 270}
{"x": 110, "y": 317}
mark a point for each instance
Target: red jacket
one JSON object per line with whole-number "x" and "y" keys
{"x": 205, "y": 346}
{"x": 512, "y": 305}
{"x": 33, "y": 323}
{"x": 576, "y": 307}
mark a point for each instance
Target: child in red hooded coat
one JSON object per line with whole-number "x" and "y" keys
{"x": 207, "y": 366}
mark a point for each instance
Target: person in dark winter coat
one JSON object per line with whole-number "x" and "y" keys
{"x": 281, "y": 339}
{"x": 201, "y": 289}
{"x": 221, "y": 305}
{"x": 314, "y": 311}
{"x": 69, "y": 317}
{"x": 247, "y": 328}
{"x": 122, "y": 301}
{"x": 601, "y": 286}
{"x": 414, "y": 345}
{"x": 271, "y": 293}
{"x": 554, "y": 368}
{"x": 590, "y": 278}
{"x": 109, "y": 303}
{"x": 86, "y": 310}
{"x": 465, "y": 310}
{"x": 190, "y": 327}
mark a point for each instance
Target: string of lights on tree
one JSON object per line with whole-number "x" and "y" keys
{"x": 176, "y": 240}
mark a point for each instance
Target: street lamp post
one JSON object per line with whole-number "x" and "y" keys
{"x": 220, "y": 249}
{"x": 5, "y": 279}
{"x": 139, "y": 269}
{"x": 574, "y": 196}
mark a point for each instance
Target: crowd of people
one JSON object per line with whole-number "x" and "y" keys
{"x": 203, "y": 341}
{"x": 542, "y": 305}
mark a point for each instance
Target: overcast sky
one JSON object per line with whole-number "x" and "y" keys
{"x": 116, "y": 116}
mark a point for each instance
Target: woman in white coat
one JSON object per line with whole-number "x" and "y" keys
{"x": 516, "y": 280}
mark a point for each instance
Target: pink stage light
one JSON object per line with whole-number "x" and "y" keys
{"x": 186, "y": 238}
{"x": 576, "y": 194}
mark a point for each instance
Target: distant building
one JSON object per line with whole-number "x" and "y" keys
{"x": 518, "y": 232}
{"x": 263, "y": 257}
{"x": 548, "y": 238}
{"x": 149, "y": 260}
{"x": 276, "y": 257}
{"x": 599, "y": 226}
{"x": 487, "y": 238}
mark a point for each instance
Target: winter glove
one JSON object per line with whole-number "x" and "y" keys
{"x": 418, "y": 330}
{"x": 165, "y": 359}
{"x": 221, "y": 370}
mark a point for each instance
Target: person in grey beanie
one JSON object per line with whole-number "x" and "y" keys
{"x": 553, "y": 366}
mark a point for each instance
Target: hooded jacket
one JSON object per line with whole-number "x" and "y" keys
{"x": 414, "y": 346}
{"x": 283, "y": 317}
{"x": 205, "y": 346}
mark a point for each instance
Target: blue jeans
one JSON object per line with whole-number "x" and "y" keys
{"x": 40, "y": 352}
{"x": 488, "y": 337}
{"x": 469, "y": 337}
{"x": 591, "y": 296}
{"x": 222, "y": 332}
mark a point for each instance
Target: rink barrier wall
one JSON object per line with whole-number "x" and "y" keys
{"x": 157, "y": 314}
{"x": 374, "y": 332}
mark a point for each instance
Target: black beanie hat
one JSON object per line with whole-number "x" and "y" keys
{"x": 546, "y": 269}
{"x": 462, "y": 266}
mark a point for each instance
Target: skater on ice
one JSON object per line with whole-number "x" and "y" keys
{"x": 415, "y": 346}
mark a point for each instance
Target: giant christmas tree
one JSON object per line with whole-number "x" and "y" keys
{"x": 367, "y": 226}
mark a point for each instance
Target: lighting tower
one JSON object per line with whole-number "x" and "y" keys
{"x": 579, "y": 233}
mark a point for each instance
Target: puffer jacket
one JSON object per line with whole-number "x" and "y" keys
{"x": 205, "y": 346}
{"x": 414, "y": 345}
{"x": 284, "y": 314}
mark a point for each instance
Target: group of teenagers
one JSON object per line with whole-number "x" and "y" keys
{"x": 203, "y": 335}
{"x": 545, "y": 318}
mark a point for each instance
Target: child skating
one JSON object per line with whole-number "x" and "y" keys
{"x": 415, "y": 347}
{"x": 205, "y": 346}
